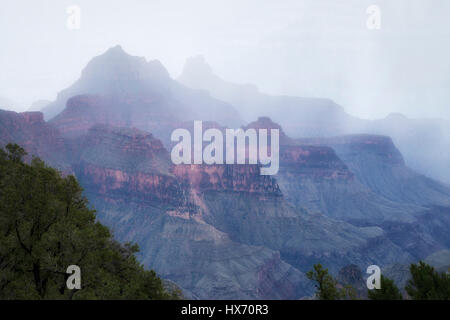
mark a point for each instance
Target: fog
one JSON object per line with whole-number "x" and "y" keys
{"x": 312, "y": 48}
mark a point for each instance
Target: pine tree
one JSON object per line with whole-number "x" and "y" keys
{"x": 427, "y": 284}
{"x": 46, "y": 225}
{"x": 388, "y": 291}
{"x": 325, "y": 283}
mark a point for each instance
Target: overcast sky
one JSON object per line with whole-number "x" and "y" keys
{"x": 319, "y": 48}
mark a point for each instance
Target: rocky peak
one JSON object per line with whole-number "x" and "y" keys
{"x": 117, "y": 50}
{"x": 117, "y": 65}
{"x": 367, "y": 144}
{"x": 23, "y": 118}
{"x": 264, "y": 123}
{"x": 197, "y": 66}
{"x": 84, "y": 111}
{"x": 127, "y": 149}
{"x": 127, "y": 137}
{"x": 127, "y": 91}
{"x": 29, "y": 130}
{"x": 267, "y": 123}
{"x": 115, "y": 73}
{"x": 198, "y": 74}
{"x": 33, "y": 117}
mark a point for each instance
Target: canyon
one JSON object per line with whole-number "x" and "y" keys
{"x": 224, "y": 231}
{"x": 235, "y": 147}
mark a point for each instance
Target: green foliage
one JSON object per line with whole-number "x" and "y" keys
{"x": 388, "y": 291}
{"x": 15, "y": 152}
{"x": 348, "y": 293}
{"x": 46, "y": 225}
{"x": 427, "y": 284}
{"x": 325, "y": 283}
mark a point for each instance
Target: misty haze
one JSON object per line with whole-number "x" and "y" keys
{"x": 355, "y": 93}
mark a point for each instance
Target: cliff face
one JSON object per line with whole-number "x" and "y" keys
{"x": 314, "y": 162}
{"x": 423, "y": 142}
{"x": 379, "y": 146}
{"x": 185, "y": 217}
{"x": 122, "y": 90}
{"x": 145, "y": 186}
{"x": 225, "y": 231}
{"x": 313, "y": 176}
{"x": 123, "y": 148}
{"x": 29, "y": 130}
{"x": 236, "y": 178}
{"x": 378, "y": 164}
{"x": 163, "y": 209}
{"x": 84, "y": 111}
{"x": 385, "y": 192}
{"x": 299, "y": 116}
{"x": 126, "y": 162}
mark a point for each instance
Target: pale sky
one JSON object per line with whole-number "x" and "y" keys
{"x": 318, "y": 48}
